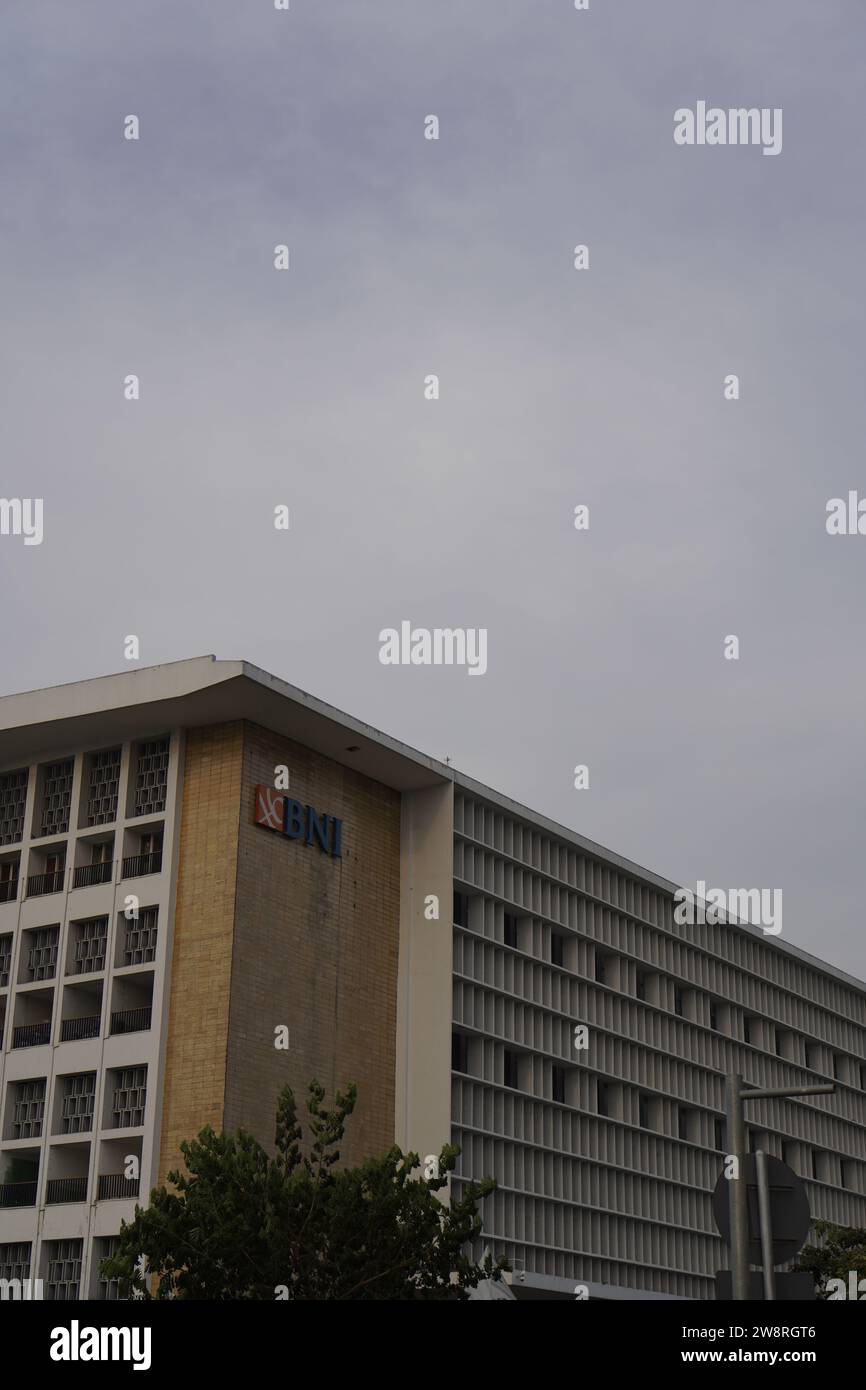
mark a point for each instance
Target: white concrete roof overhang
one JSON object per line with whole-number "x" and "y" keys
{"x": 187, "y": 694}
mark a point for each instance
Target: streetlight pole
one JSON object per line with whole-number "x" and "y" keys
{"x": 766, "y": 1226}
{"x": 735, "y": 1095}
{"x": 737, "y": 1191}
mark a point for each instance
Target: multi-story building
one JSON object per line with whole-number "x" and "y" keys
{"x": 169, "y": 908}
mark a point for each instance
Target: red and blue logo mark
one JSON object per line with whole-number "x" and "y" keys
{"x": 277, "y": 811}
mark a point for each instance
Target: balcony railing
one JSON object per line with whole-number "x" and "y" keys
{"x": 18, "y": 1194}
{"x": 136, "y": 865}
{"x": 131, "y": 1020}
{"x": 37, "y": 884}
{"x": 32, "y": 1034}
{"x": 9, "y": 890}
{"x": 111, "y": 1185}
{"x": 87, "y": 874}
{"x": 65, "y": 1190}
{"x": 73, "y": 1029}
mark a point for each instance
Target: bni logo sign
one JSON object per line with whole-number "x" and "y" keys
{"x": 276, "y": 811}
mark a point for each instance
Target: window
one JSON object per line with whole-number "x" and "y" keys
{"x": 643, "y": 1111}
{"x": 602, "y": 1098}
{"x": 679, "y": 1003}
{"x": 77, "y": 1100}
{"x": 600, "y": 968}
{"x": 28, "y": 1109}
{"x": 810, "y": 1057}
{"x": 557, "y": 948}
{"x": 683, "y": 1117}
{"x": 63, "y": 1270}
{"x": 15, "y": 1260}
{"x": 835, "y": 1066}
{"x": 640, "y": 984}
{"x": 105, "y": 1247}
{"x": 461, "y": 910}
{"x": 13, "y": 796}
{"x": 127, "y": 1110}
{"x": 5, "y": 959}
{"x": 788, "y": 1151}
{"x": 148, "y": 857}
{"x": 714, "y": 1016}
{"x": 103, "y": 776}
{"x": 100, "y": 866}
{"x": 558, "y": 1084}
{"x": 459, "y": 1052}
{"x": 8, "y": 880}
{"x": 140, "y": 937}
{"x": 510, "y": 929}
{"x": 510, "y": 1069}
{"x": 41, "y": 946}
{"x": 815, "y": 1165}
{"x": 862, "y": 1077}
{"x": 56, "y": 797}
{"x": 719, "y": 1134}
{"x": 151, "y": 777}
{"x": 747, "y": 1030}
{"x": 49, "y": 879}
{"x": 90, "y": 938}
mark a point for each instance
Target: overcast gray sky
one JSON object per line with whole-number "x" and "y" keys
{"x": 558, "y": 387}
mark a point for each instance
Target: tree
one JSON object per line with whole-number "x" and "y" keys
{"x": 243, "y": 1225}
{"x": 841, "y": 1250}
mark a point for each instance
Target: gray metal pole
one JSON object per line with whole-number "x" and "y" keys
{"x": 766, "y": 1226}
{"x": 737, "y": 1194}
